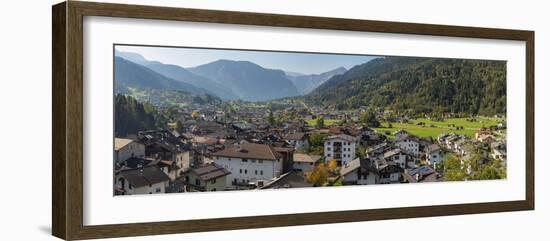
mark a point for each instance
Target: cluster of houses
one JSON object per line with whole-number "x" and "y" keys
{"x": 484, "y": 143}
{"x": 211, "y": 153}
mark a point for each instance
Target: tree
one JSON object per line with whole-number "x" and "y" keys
{"x": 316, "y": 145}
{"x": 361, "y": 151}
{"x": 319, "y": 175}
{"x": 179, "y": 126}
{"x": 453, "y": 170}
{"x": 320, "y": 123}
{"x": 332, "y": 164}
{"x": 369, "y": 118}
{"x": 194, "y": 114}
{"x": 490, "y": 171}
{"x": 271, "y": 118}
{"x": 316, "y": 139}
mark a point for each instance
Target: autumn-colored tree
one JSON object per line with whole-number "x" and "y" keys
{"x": 332, "y": 164}
{"x": 318, "y": 176}
{"x": 194, "y": 114}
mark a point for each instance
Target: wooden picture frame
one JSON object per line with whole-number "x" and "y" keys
{"x": 67, "y": 138}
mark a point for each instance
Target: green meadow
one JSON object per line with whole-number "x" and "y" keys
{"x": 435, "y": 128}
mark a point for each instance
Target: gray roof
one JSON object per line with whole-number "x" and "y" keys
{"x": 292, "y": 179}
{"x": 392, "y": 152}
{"x": 342, "y": 136}
{"x": 141, "y": 177}
{"x": 350, "y": 166}
{"x": 296, "y": 136}
{"x": 433, "y": 148}
{"x": 426, "y": 174}
{"x": 210, "y": 171}
{"x": 364, "y": 164}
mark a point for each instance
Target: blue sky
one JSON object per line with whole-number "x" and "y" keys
{"x": 306, "y": 63}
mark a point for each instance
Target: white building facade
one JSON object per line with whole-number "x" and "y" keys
{"x": 411, "y": 145}
{"x": 249, "y": 164}
{"x": 434, "y": 155}
{"x": 340, "y": 148}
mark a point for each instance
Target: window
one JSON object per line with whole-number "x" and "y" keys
{"x": 213, "y": 181}
{"x": 244, "y": 160}
{"x": 213, "y": 190}
{"x": 328, "y": 154}
{"x": 157, "y": 190}
{"x": 197, "y": 182}
{"x": 229, "y": 158}
{"x": 240, "y": 170}
{"x": 255, "y": 172}
{"x": 261, "y": 172}
{"x": 260, "y": 161}
{"x": 328, "y": 148}
{"x": 253, "y": 161}
{"x": 245, "y": 171}
{"x": 396, "y": 157}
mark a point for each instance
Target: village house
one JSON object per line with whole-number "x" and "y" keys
{"x": 340, "y": 148}
{"x": 434, "y": 155}
{"x": 371, "y": 138}
{"x": 482, "y": 134}
{"x": 206, "y": 178}
{"x": 401, "y": 157}
{"x": 421, "y": 174}
{"x": 250, "y": 163}
{"x": 388, "y": 171}
{"x": 298, "y": 139}
{"x": 378, "y": 150}
{"x": 409, "y": 143}
{"x": 305, "y": 162}
{"x": 126, "y": 148}
{"x": 292, "y": 179}
{"x": 144, "y": 180}
{"x": 135, "y": 162}
{"x": 359, "y": 172}
{"x": 288, "y": 157}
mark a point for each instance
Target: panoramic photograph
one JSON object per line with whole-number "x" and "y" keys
{"x": 205, "y": 120}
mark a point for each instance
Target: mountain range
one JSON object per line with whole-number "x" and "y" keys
{"x": 418, "y": 84}
{"x": 129, "y": 75}
{"x": 306, "y": 83}
{"x": 398, "y": 83}
{"x": 248, "y": 80}
{"x": 227, "y": 79}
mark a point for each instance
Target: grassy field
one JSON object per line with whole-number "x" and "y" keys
{"x": 328, "y": 122}
{"x": 435, "y": 128}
